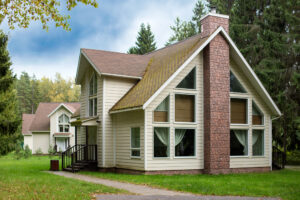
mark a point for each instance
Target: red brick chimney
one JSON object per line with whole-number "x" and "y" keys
{"x": 216, "y": 96}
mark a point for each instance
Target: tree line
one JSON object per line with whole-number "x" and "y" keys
{"x": 267, "y": 33}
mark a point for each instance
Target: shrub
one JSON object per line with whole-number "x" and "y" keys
{"x": 51, "y": 151}
{"x": 28, "y": 152}
{"x": 38, "y": 151}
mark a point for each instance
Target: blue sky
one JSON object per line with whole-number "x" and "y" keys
{"x": 112, "y": 26}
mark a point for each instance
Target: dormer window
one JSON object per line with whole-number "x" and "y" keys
{"x": 93, "y": 87}
{"x": 63, "y": 123}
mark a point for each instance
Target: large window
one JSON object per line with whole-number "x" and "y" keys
{"x": 184, "y": 142}
{"x": 258, "y": 142}
{"x": 93, "y": 87}
{"x": 135, "y": 142}
{"x": 238, "y": 113}
{"x": 184, "y": 108}
{"x": 235, "y": 85}
{"x": 238, "y": 142}
{"x": 63, "y": 124}
{"x": 161, "y": 113}
{"x": 257, "y": 116}
{"x": 189, "y": 82}
{"x": 161, "y": 142}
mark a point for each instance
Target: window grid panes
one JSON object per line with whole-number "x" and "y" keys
{"x": 135, "y": 142}
{"x": 63, "y": 124}
{"x": 161, "y": 113}
{"x": 93, "y": 87}
{"x": 257, "y": 116}
{"x": 235, "y": 85}
{"x": 189, "y": 82}
{"x": 258, "y": 142}
{"x": 238, "y": 142}
{"x": 184, "y": 141}
{"x": 161, "y": 137}
{"x": 184, "y": 108}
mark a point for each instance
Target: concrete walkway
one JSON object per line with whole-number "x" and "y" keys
{"x": 293, "y": 167}
{"x": 148, "y": 193}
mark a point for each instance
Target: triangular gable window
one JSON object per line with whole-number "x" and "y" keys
{"x": 189, "y": 82}
{"x": 161, "y": 113}
{"x": 235, "y": 85}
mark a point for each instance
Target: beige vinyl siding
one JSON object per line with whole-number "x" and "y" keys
{"x": 123, "y": 122}
{"x": 173, "y": 163}
{"x": 40, "y": 141}
{"x": 114, "y": 89}
{"x": 252, "y": 161}
{"x": 99, "y": 113}
{"x": 28, "y": 141}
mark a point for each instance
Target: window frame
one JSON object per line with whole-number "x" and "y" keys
{"x": 195, "y": 143}
{"x": 169, "y": 112}
{"x": 131, "y": 148}
{"x": 63, "y": 124}
{"x": 264, "y": 142}
{"x": 261, "y": 112}
{"x": 93, "y": 97}
{"x": 247, "y": 110}
{"x": 248, "y": 147}
{"x": 153, "y": 146}
{"x": 195, "y": 107}
{"x": 241, "y": 93}
{"x": 195, "y": 81}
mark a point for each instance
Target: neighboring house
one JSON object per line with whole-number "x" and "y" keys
{"x": 195, "y": 106}
{"x": 50, "y": 125}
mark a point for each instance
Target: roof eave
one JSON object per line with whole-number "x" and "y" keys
{"x": 58, "y": 107}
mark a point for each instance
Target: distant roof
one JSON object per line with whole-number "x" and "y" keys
{"x": 26, "y": 122}
{"x": 41, "y": 121}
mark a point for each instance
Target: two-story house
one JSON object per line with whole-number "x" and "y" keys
{"x": 49, "y": 127}
{"x": 195, "y": 106}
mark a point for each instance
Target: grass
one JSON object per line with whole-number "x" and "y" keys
{"x": 25, "y": 179}
{"x": 284, "y": 184}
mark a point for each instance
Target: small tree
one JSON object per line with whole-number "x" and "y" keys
{"x": 28, "y": 152}
{"x": 39, "y": 151}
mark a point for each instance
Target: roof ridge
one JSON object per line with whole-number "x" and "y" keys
{"x": 116, "y": 52}
{"x": 181, "y": 41}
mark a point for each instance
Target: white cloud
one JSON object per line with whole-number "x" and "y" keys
{"x": 113, "y": 26}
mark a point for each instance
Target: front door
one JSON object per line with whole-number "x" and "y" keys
{"x": 91, "y": 141}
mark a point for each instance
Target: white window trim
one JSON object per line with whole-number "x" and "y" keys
{"x": 195, "y": 143}
{"x": 195, "y": 107}
{"x": 161, "y": 158}
{"x": 63, "y": 124}
{"x": 131, "y": 156}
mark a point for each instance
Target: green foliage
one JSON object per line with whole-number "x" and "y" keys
{"x": 145, "y": 41}
{"x": 21, "y": 12}
{"x": 293, "y": 157}
{"x": 9, "y": 114}
{"x": 51, "y": 151}
{"x": 32, "y": 91}
{"x": 184, "y": 29}
{"x": 38, "y": 151}
{"x": 28, "y": 152}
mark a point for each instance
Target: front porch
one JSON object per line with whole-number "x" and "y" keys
{"x": 84, "y": 154}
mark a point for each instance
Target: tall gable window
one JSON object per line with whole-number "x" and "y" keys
{"x": 93, "y": 87}
{"x": 257, "y": 116}
{"x": 235, "y": 85}
{"x": 63, "y": 124}
{"x": 238, "y": 112}
{"x": 184, "y": 108}
{"x": 161, "y": 113}
{"x": 189, "y": 82}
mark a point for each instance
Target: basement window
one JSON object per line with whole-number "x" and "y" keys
{"x": 238, "y": 142}
{"x": 161, "y": 142}
{"x": 161, "y": 113}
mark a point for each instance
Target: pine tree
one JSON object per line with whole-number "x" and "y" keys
{"x": 199, "y": 11}
{"x": 145, "y": 41}
{"x": 9, "y": 115}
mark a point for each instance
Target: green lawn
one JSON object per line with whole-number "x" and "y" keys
{"x": 25, "y": 179}
{"x": 284, "y": 184}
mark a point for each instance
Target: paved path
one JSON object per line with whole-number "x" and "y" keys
{"x": 293, "y": 167}
{"x": 148, "y": 193}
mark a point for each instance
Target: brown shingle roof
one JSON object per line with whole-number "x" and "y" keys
{"x": 41, "y": 121}
{"x": 162, "y": 64}
{"x": 108, "y": 62}
{"x": 26, "y": 122}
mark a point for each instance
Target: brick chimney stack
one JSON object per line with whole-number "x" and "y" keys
{"x": 216, "y": 96}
